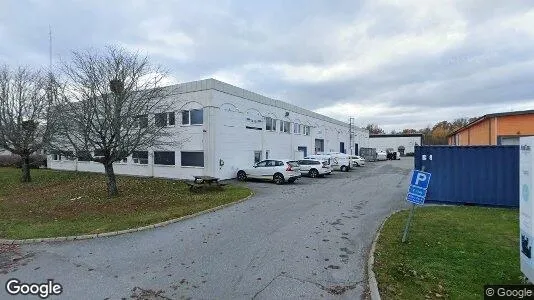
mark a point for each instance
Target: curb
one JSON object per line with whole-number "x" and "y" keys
{"x": 373, "y": 284}
{"x": 114, "y": 233}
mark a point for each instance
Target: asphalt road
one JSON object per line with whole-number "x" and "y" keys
{"x": 306, "y": 240}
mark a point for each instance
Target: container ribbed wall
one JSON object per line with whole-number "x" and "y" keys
{"x": 482, "y": 175}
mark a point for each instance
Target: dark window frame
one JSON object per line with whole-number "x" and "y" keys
{"x": 191, "y": 119}
{"x": 160, "y": 159}
{"x": 141, "y": 121}
{"x": 140, "y": 160}
{"x": 163, "y": 119}
{"x": 191, "y": 165}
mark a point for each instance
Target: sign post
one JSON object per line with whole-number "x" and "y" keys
{"x": 526, "y": 205}
{"x": 416, "y": 195}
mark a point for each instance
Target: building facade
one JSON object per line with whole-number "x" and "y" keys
{"x": 495, "y": 129}
{"x": 222, "y": 129}
{"x": 403, "y": 143}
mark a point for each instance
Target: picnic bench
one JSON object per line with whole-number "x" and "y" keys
{"x": 204, "y": 183}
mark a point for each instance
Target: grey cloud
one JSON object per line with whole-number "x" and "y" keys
{"x": 490, "y": 68}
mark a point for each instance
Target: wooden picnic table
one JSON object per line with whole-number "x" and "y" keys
{"x": 204, "y": 182}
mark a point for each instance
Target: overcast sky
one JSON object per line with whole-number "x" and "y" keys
{"x": 396, "y": 63}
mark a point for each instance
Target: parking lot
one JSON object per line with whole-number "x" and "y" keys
{"x": 309, "y": 239}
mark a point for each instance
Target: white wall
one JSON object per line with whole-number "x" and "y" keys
{"x": 224, "y": 136}
{"x": 235, "y": 144}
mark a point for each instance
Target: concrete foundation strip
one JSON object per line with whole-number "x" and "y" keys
{"x": 113, "y": 233}
{"x": 373, "y": 284}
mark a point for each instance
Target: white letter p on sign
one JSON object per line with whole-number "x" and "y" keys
{"x": 420, "y": 177}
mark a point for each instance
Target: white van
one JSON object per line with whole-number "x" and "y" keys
{"x": 339, "y": 161}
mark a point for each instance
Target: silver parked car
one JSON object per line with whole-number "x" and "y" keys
{"x": 314, "y": 167}
{"x": 277, "y": 170}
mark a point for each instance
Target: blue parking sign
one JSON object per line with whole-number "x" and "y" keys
{"x": 420, "y": 179}
{"x": 418, "y": 186}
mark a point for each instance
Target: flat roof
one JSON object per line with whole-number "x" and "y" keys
{"x": 210, "y": 83}
{"x": 501, "y": 114}
{"x": 396, "y": 135}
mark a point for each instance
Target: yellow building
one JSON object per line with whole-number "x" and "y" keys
{"x": 495, "y": 129}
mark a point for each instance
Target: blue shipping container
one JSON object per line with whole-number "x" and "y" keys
{"x": 482, "y": 175}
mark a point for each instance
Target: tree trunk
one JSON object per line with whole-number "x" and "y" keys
{"x": 26, "y": 177}
{"x": 111, "y": 180}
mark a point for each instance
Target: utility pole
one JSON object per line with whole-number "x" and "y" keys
{"x": 351, "y": 135}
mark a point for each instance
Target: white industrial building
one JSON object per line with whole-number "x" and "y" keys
{"x": 403, "y": 143}
{"x": 226, "y": 129}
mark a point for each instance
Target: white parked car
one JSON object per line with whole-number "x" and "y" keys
{"x": 277, "y": 170}
{"x": 381, "y": 155}
{"x": 314, "y": 167}
{"x": 357, "y": 161}
{"x": 339, "y": 161}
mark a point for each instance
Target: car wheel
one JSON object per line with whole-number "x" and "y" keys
{"x": 241, "y": 176}
{"x": 343, "y": 169}
{"x": 278, "y": 178}
{"x": 313, "y": 173}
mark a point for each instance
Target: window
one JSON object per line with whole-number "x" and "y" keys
{"x": 270, "y": 124}
{"x": 140, "y": 157}
{"x": 141, "y": 121}
{"x": 185, "y": 117}
{"x": 165, "y": 119}
{"x": 286, "y": 126}
{"x": 297, "y": 128}
{"x": 99, "y": 152}
{"x": 56, "y": 155}
{"x": 122, "y": 160}
{"x": 193, "y": 117}
{"x": 192, "y": 159}
{"x": 261, "y": 164}
{"x": 197, "y": 117}
{"x": 257, "y": 156}
{"x": 279, "y": 163}
{"x": 307, "y": 130}
{"x": 164, "y": 158}
{"x": 267, "y": 154}
{"x": 293, "y": 164}
{"x": 253, "y": 120}
{"x": 69, "y": 155}
{"x": 84, "y": 156}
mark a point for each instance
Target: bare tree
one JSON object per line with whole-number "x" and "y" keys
{"x": 374, "y": 129}
{"x": 110, "y": 97}
{"x": 26, "y": 121}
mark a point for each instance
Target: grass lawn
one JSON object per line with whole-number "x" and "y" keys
{"x": 61, "y": 203}
{"x": 452, "y": 252}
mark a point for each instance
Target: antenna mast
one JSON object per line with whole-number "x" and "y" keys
{"x": 50, "y": 48}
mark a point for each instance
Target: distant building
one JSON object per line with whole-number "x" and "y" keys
{"x": 403, "y": 143}
{"x": 495, "y": 129}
